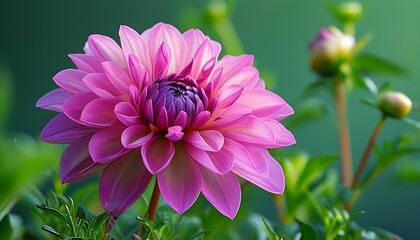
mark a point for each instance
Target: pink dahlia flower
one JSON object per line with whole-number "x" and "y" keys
{"x": 163, "y": 104}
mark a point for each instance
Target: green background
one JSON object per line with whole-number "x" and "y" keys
{"x": 36, "y": 36}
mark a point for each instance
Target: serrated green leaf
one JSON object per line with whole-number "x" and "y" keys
{"x": 308, "y": 231}
{"x": 55, "y": 213}
{"x": 270, "y": 232}
{"x": 371, "y": 63}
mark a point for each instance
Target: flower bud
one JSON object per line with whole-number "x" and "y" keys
{"x": 395, "y": 104}
{"x": 331, "y": 48}
{"x": 349, "y": 12}
{"x": 216, "y": 12}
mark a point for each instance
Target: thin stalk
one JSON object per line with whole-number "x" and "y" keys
{"x": 343, "y": 131}
{"x": 109, "y": 224}
{"x": 229, "y": 38}
{"x": 367, "y": 152}
{"x": 151, "y": 212}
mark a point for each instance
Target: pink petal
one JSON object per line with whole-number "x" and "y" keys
{"x": 99, "y": 84}
{"x": 62, "y": 129}
{"x": 126, "y": 113}
{"x": 53, "y": 100}
{"x": 100, "y": 112}
{"x": 201, "y": 120}
{"x": 165, "y": 33}
{"x": 71, "y": 80}
{"x": 162, "y": 61}
{"x": 174, "y": 133}
{"x": 106, "y": 145}
{"x": 229, "y": 96}
{"x": 133, "y": 43}
{"x": 208, "y": 140}
{"x": 76, "y": 164}
{"x": 75, "y": 104}
{"x": 122, "y": 183}
{"x": 219, "y": 162}
{"x": 234, "y": 64}
{"x": 193, "y": 38}
{"x": 135, "y": 136}
{"x": 117, "y": 76}
{"x": 229, "y": 116}
{"x": 139, "y": 73}
{"x": 180, "y": 182}
{"x": 203, "y": 54}
{"x": 252, "y": 130}
{"x": 106, "y": 49}
{"x": 283, "y": 137}
{"x": 251, "y": 159}
{"x": 274, "y": 182}
{"x": 222, "y": 191}
{"x": 181, "y": 119}
{"x": 87, "y": 63}
{"x": 248, "y": 77}
{"x": 157, "y": 153}
{"x": 265, "y": 104}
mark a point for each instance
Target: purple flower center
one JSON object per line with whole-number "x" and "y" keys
{"x": 175, "y": 94}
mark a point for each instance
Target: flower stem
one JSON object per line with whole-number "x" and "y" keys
{"x": 343, "y": 130}
{"x": 109, "y": 224}
{"x": 229, "y": 37}
{"x": 367, "y": 152}
{"x": 151, "y": 212}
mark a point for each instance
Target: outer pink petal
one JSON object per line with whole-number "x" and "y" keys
{"x": 208, "y": 140}
{"x": 233, "y": 64}
{"x": 99, "y": 84}
{"x": 106, "y": 49}
{"x": 251, "y": 130}
{"x": 106, "y": 145}
{"x": 265, "y": 104}
{"x": 136, "y": 136}
{"x": 100, "y": 112}
{"x": 165, "y": 33}
{"x": 117, "y": 76}
{"x": 283, "y": 137}
{"x": 274, "y": 182}
{"x": 222, "y": 191}
{"x": 75, "y": 104}
{"x": 248, "y": 77}
{"x": 251, "y": 159}
{"x": 180, "y": 182}
{"x": 62, "y": 129}
{"x": 71, "y": 80}
{"x": 122, "y": 183}
{"x": 203, "y": 54}
{"x": 229, "y": 116}
{"x": 157, "y": 153}
{"x": 76, "y": 164}
{"x": 193, "y": 38}
{"x": 219, "y": 162}
{"x": 87, "y": 63}
{"x": 53, "y": 100}
{"x": 133, "y": 43}
{"x": 229, "y": 95}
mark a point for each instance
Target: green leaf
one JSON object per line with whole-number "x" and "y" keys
{"x": 374, "y": 64}
{"x": 270, "y": 232}
{"x": 308, "y": 231}
{"x": 11, "y": 227}
{"x": 315, "y": 167}
{"x": 51, "y": 231}
{"x": 385, "y": 235}
{"x": 55, "y": 213}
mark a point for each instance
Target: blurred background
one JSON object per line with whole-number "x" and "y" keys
{"x": 37, "y": 36}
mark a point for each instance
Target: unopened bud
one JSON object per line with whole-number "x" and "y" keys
{"x": 216, "y": 11}
{"x": 349, "y": 12}
{"x": 331, "y": 48}
{"x": 395, "y": 104}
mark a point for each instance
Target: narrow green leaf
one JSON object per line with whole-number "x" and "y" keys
{"x": 315, "y": 167}
{"x": 371, "y": 63}
{"x": 51, "y": 231}
{"x": 55, "y": 213}
{"x": 308, "y": 231}
{"x": 412, "y": 122}
{"x": 270, "y": 232}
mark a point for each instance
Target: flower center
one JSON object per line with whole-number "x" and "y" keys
{"x": 175, "y": 94}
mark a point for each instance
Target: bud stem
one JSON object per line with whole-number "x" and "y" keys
{"x": 109, "y": 224}
{"x": 367, "y": 152}
{"x": 343, "y": 129}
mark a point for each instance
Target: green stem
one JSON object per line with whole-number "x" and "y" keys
{"x": 343, "y": 130}
{"x": 367, "y": 152}
{"x": 109, "y": 224}
{"x": 229, "y": 38}
{"x": 151, "y": 212}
